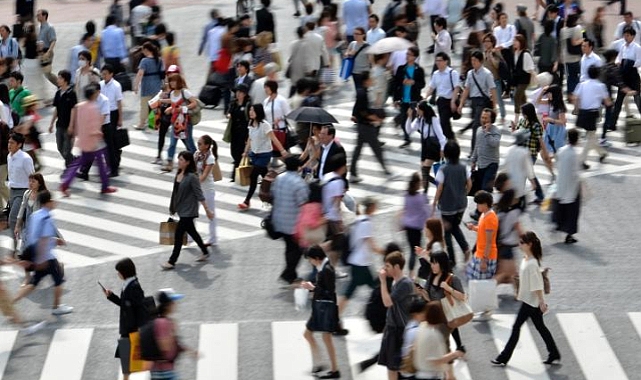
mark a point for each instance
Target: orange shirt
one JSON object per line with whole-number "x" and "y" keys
{"x": 488, "y": 221}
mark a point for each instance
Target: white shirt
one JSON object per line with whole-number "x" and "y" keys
{"x": 589, "y": 60}
{"x": 332, "y": 190}
{"x": 528, "y": 62}
{"x": 636, "y": 25}
{"x": 103, "y": 104}
{"x": 5, "y": 115}
{"x": 426, "y": 130}
{"x": 214, "y": 40}
{"x": 443, "y": 43}
{"x": 360, "y": 230}
{"x": 208, "y": 183}
{"x": 259, "y": 139}
{"x": 257, "y": 92}
{"x": 429, "y": 346}
{"x": 19, "y": 167}
{"x": 444, "y": 82}
{"x": 374, "y": 35}
{"x": 531, "y": 280}
{"x": 568, "y": 180}
{"x": 435, "y": 8}
{"x": 139, "y": 15}
{"x": 631, "y": 51}
{"x": 323, "y": 158}
{"x": 113, "y": 91}
{"x": 505, "y": 36}
{"x": 279, "y": 111}
{"x": 518, "y": 165}
{"x": 591, "y": 94}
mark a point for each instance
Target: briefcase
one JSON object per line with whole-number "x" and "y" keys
{"x": 121, "y": 138}
{"x": 168, "y": 231}
{"x": 632, "y": 130}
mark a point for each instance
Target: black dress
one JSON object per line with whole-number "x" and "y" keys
{"x": 324, "y": 307}
{"x": 239, "y": 119}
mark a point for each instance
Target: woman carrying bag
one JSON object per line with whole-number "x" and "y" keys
{"x": 259, "y": 149}
{"x": 206, "y": 158}
{"x": 185, "y": 197}
{"x": 324, "y": 311}
{"x": 181, "y": 100}
{"x": 236, "y": 133}
{"x": 533, "y": 304}
{"x": 28, "y": 206}
{"x": 130, "y": 302}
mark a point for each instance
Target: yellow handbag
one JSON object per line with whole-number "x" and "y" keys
{"x": 243, "y": 172}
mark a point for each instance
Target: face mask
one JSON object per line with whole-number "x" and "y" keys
{"x": 82, "y": 63}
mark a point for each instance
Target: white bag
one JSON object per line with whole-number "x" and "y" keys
{"x": 483, "y": 295}
{"x": 301, "y": 297}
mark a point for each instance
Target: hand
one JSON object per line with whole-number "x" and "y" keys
{"x": 410, "y": 112}
{"x": 16, "y": 232}
{"x": 168, "y": 111}
{"x": 185, "y": 109}
{"x": 483, "y": 265}
{"x": 210, "y": 214}
{"x": 408, "y": 82}
{"x": 473, "y": 166}
{"x": 244, "y": 154}
{"x": 460, "y": 108}
{"x": 136, "y": 90}
{"x": 70, "y": 131}
{"x": 512, "y": 125}
{"x": 51, "y": 128}
{"x": 107, "y": 292}
{"x": 422, "y": 292}
{"x": 543, "y": 306}
{"x": 382, "y": 275}
{"x": 397, "y": 104}
{"x": 445, "y": 286}
{"x": 419, "y": 251}
{"x": 307, "y": 285}
{"x": 469, "y": 226}
{"x": 195, "y": 354}
{"x": 61, "y": 241}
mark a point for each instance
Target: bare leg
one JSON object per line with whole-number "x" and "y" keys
{"x": 25, "y": 291}
{"x": 342, "y": 302}
{"x": 327, "y": 339}
{"x": 309, "y": 337}
{"x": 57, "y": 294}
{"x": 392, "y": 375}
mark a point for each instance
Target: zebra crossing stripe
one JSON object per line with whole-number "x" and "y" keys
{"x": 7, "y": 339}
{"x": 363, "y": 344}
{"x": 146, "y": 375}
{"x": 526, "y": 362}
{"x": 635, "y": 318}
{"x": 292, "y": 358}
{"x": 590, "y": 346}
{"x": 218, "y": 351}
{"x": 461, "y": 370}
{"x": 67, "y": 354}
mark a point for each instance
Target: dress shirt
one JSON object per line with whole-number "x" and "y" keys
{"x": 214, "y": 40}
{"x": 518, "y": 165}
{"x": 127, "y": 282}
{"x": 323, "y": 159}
{"x": 19, "y": 167}
{"x": 444, "y": 82}
{"x": 427, "y": 131}
{"x": 485, "y": 79}
{"x": 355, "y": 13}
{"x": 206, "y": 30}
{"x": 9, "y": 48}
{"x": 280, "y": 110}
{"x": 41, "y": 226}
{"x": 631, "y": 51}
{"x": 591, "y": 94}
{"x": 113, "y": 91}
{"x": 589, "y": 60}
{"x": 443, "y": 43}
{"x": 332, "y": 190}
{"x": 47, "y": 35}
{"x": 505, "y": 36}
{"x": 103, "y": 103}
{"x": 636, "y": 25}
{"x": 374, "y": 35}
{"x": 290, "y": 192}
{"x": 112, "y": 43}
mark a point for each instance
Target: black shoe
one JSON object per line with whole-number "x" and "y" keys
{"x": 585, "y": 166}
{"x": 553, "y": 359}
{"x": 602, "y": 157}
{"x": 317, "y": 369}
{"x": 113, "y": 175}
{"x": 570, "y": 239}
{"x": 82, "y": 176}
{"x": 365, "y": 364}
{"x": 331, "y": 375}
{"x": 462, "y": 349}
{"x": 498, "y": 362}
{"x": 405, "y": 144}
{"x": 341, "y": 332}
{"x": 297, "y": 14}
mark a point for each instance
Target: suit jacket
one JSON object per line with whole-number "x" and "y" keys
{"x": 132, "y": 312}
{"x": 419, "y": 83}
{"x": 334, "y": 149}
{"x": 247, "y": 80}
{"x": 265, "y": 22}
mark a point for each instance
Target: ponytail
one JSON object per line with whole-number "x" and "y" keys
{"x": 214, "y": 149}
{"x": 535, "y": 245}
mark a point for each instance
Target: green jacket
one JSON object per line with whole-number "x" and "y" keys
{"x": 15, "y": 99}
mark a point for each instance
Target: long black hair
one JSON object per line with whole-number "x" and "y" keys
{"x": 529, "y": 112}
{"x": 259, "y": 111}
{"x": 212, "y": 143}
{"x": 428, "y": 111}
{"x": 191, "y": 164}
{"x": 535, "y": 245}
{"x": 557, "y": 103}
{"x": 443, "y": 262}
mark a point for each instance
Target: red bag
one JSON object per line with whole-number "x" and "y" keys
{"x": 281, "y": 136}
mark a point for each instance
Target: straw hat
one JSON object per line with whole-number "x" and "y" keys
{"x": 29, "y": 100}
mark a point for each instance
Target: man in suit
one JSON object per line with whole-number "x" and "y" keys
{"x": 316, "y": 55}
{"x": 265, "y": 19}
{"x": 329, "y": 149}
{"x": 409, "y": 80}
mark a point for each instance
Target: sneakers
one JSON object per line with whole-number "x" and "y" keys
{"x": 570, "y": 240}
{"x": 552, "y": 359}
{"x": 483, "y": 317}
{"x": 109, "y": 190}
{"x": 341, "y": 274}
{"x": 243, "y": 206}
{"x": 498, "y": 362}
{"x": 331, "y": 375}
{"x": 139, "y": 127}
{"x": 62, "y": 310}
{"x": 35, "y": 328}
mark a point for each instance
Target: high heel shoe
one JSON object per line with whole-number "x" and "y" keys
{"x": 552, "y": 359}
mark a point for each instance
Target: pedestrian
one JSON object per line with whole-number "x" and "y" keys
{"x": 441, "y": 36}
{"x": 311, "y": 226}
{"x": 554, "y": 120}
{"x": 111, "y": 88}
{"x": 19, "y": 168}
{"x": 113, "y": 46}
{"x": 504, "y": 34}
{"x": 86, "y": 124}
{"x": 591, "y": 95}
{"x": 355, "y": 13}
{"x": 167, "y": 337}
{"x": 30, "y": 65}
{"x": 415, "y": 213}
{"x": 265, "y": 19}
{"x": 597, "y": 28}
{"x": 330, "y": 147}
{"x": 524, "y": 26}
{"x": 570, "y": 47}
{"x": 43, "y": 235}
{"x": 85, "y": 45}
{"x": 508, "y": 211}
{"x": 368, "y": 127}
{"x": 28, "y": 126}
{"x": 276, "y": 108}
{"x": 629, "y": 60}
{"x": 409, "y": 80}
{"x": 361, "y": 58}
{"x": 6, "y": 124}
{"x": 85, "y": 74}
{"x": 444, "y": 86}
{"x": 433, "y": 139}
{"x": 238, "y": 118}
{"x": 628, "y": 21}
{"x": 533, "y": 304}
{"x": 290, "y": 192}
{"x": 454, "y": 183}
{"x": 185, "y": 196}
{"x": 64, "y": 101}
{"x": 181, "y": 100}
{"x": 333, "y": 191}
{"x": 132, "y": 312}
{"x": 397, "y": 300}
{"x": 568, "y": 191}
{"x": 257, "y": 90}
{"x": 486, "y": 153}
{"x": 589, "y": 58}
{"x": 46, "y": 43}
{"x": 28, "y": 206}
{"x": 148, "y": 81}
{"x": 494, "y": 62}
{"x": 324, "y": 318}
{"x": 518, "y": 166}
{"x": 417, "y": 315}
{"x": 523, "y": 73}
{"x": 546, "y": 49}
{"x": 9, "y": 46}
{"x": 206, "y": 158}
{"x": 259, "y": 149}
{"x": 435, "y": 243}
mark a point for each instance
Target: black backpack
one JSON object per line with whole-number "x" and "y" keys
{"x": 388, "y": 17}
{"x": 375, "y": 310}
{"x": 149, "y": 349}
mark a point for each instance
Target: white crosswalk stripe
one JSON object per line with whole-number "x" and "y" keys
{"x": 103, "y": 228}
{"x": 220, "y": 350}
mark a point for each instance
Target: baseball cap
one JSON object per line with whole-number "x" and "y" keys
{"x": 168, "y": 295}
{"x": 173, "y": 69}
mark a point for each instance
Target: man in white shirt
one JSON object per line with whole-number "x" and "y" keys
{"x": 138, "y": 18}
{"x": 19, "y": 168}
{"x": 504, "y": 34}
{"x": 629, "y": 61}
{"x": 589, "y": 98}
{"x": 355, "y": 13}
{"x": 589, "y": 58}
{"x": 568, "y": 187}
{"x": 442, "y": 38}
{"x": 110, "y": 88}
{"x": 214, "y": 40}
{"x": 445, "y": 82}
{"x": 628, "y": 20}
{"x": 333, "y": 190}
{"x": 435, "y": 9}
{"x": 316, "y": 54}
{"x": 375, "y": 33}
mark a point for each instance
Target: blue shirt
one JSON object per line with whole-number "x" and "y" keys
{"x": 355, "y": 13}
{"x": 40, "y": 225}
{"x": 151, "y": 82}
{"x": 407, "y": 88}
{"x": 112, "y": 43}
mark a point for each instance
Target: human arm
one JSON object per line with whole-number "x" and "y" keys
{"x": 206, "y": 171}
{"x": 138, "y": 79}
{"x": 466, "y": 93}
{"x": 276, "y": 143}
{"x": 21, "y": 212}
{"x": 371, "y": 244}
{"x": 454, "y": 287}
{"x": 198, "y": 193}
{"x": 438, "y": 130}
{"x": 111, "y": 296}
{"x": 72, "y": 122}
{"x": 385, "y": 294}
{"x": 54, "y": 117}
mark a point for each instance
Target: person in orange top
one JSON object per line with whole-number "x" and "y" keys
{"x": 483, "y": 265}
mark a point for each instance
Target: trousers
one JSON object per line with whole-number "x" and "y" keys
{"x": 186, "y": 224}
{"x": 293, "y": 253}
{"x": 367, "y": 134}
{"x": 85, "y": 160}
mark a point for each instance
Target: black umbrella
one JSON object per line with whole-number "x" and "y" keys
{"x": 311, "y": 115}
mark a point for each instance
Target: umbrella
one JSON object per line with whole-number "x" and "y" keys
{"x": 311, "y": 115}
{"x": 388, "y": 45}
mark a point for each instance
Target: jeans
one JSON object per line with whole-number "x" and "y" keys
{"x": 186, "y": 224}
{"x": 478, "y": 105}
{"x": 188, "y": 141}
{"x": 574, "y": 73}
{"x": 85, "y": 160}
{"x": 293, "y": 254}
{"x": 488, "y": 174}
{"x": 539, "y": 191}
{"x": 367, "y": 133}
{"x": 414, "y": 240}
{"x": 162, "y": 133}
{"x": 528, "y": 312}
{"x": 453, "y": 228}
{"x": 499, "y": 95}
{"x": 64, "y": 144}
{"x": 445, "y": 116}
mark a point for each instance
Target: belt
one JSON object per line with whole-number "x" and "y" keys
{"x": 19, "y": 188}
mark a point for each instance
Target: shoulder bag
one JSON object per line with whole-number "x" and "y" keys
{"x": 456, "y": 312}
{"x": 455, "y": 115}
{"x": 488, "y": 100}
{"x": 430, "y": 143}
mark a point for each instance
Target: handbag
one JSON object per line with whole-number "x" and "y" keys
{"x": 407, "y": 365}
{"x": 243, "y": 172}
{"x": 324, "y": 316}
{"x": 227, "y": 133}
{"x": 168, "y": 232}
{"x": 216, "y": 172}
{"x": 483, "y": 295}
{"x": 456, "y": 312}
{"x": 129, "y": 353}
{"x": 315, "y": 235}
{"x": 455, "y": 115}
{"x": 301, "y": 298}
{"x": 121, "y": 138}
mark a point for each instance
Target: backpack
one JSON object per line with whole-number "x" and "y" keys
{"x": 388, "y": 17}
{"x": 149, "y": 349}
{"x": 375, "y": 310}
{"x": 265, "y": 190}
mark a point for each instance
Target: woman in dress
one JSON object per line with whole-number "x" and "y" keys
{"x": 149, "y": 80}
{"x": 206, "y": 157}
{"x": 555, "y": 133}
{"x": 414, "y": 216}
{"x": 185, "y": 197}
{"x": 182, "y": 100}
{"x": 259, "y": 149}
{"x": 28, "y": 206}
{"x": 532, "y": 299}
{"x": 238, "y": 117}
{"x": 324, "y": 288}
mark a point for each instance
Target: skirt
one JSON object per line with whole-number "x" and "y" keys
{"x": 430, "y": 149}
{"x": 554, "y": 137}
{"x": 566, "y": 216}
{"x": 391, "y": 344}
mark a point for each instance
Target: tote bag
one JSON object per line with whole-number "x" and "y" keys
{"x": 457, "y": 312}
{"x": 168, "y": 232}
{"x": 243, "y": 172}
{"x": 483, "y": 295}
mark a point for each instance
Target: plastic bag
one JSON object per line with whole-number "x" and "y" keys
{"x": 301, "y": 298}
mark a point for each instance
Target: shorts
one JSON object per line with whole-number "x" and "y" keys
{"x": 474, "y": 272}
{"x": 53, "y": 269}
{"x": 506, "y": 252}
{"x": 360, "y": 276}
{"x": 390, "y": 355}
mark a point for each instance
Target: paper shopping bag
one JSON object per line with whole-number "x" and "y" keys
{"x": 216, "y": 172}
{"x": 483, "y": 295}
{"x": 243, "y": 172}
{"x": 136, "y": 364}
{"x": 168, "y": 231}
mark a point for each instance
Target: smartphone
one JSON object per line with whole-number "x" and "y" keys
{"x": 420, "y": 282}
{"x": 103, "y": 288}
